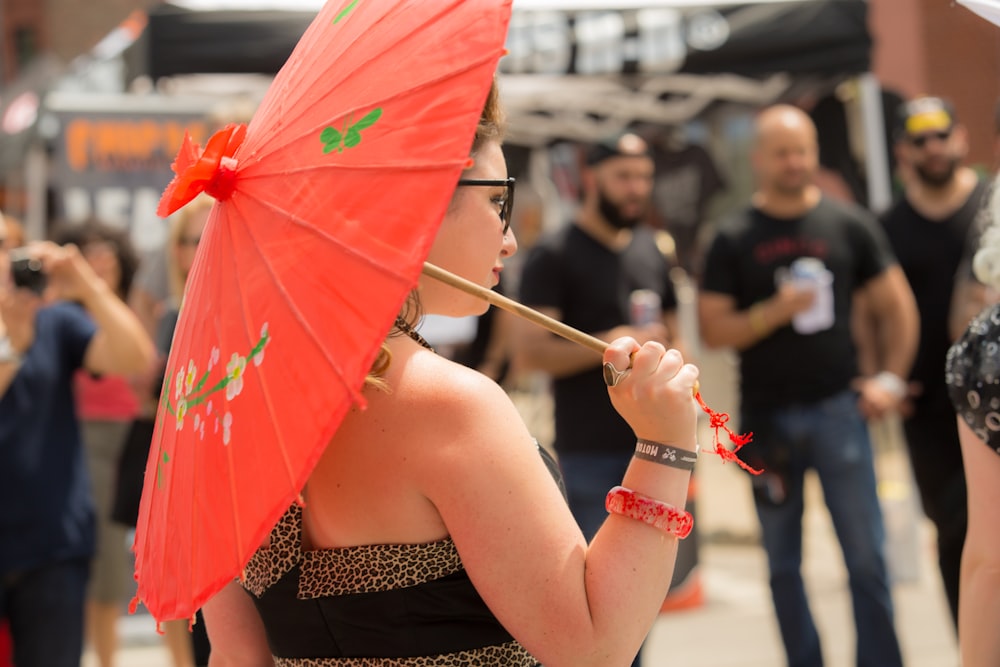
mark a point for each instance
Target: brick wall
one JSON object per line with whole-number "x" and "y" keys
{"x": 940, "y": 48}
{"x": 64, "y": 28}
{"x": 20, "y": 15}
{"x": 77, "y": 25}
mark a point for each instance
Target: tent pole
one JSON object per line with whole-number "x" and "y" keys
{"x": 876, "y": 150}
{"x": 35, "y": 180}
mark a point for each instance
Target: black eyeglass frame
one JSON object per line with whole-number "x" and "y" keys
{"x": 508, "y": 204}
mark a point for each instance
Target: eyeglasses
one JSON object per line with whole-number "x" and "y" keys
{"x": 506, "y": 204}
{"x": 189, "y": 241}
{"x": 921, "y": 140}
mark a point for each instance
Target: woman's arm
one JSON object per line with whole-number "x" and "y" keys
{"x": 235, "y": 630}
{"x": 979, "y": 604}
{"x": 567, "y": 602}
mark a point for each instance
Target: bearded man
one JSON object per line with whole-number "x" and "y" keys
{"x": 931, "y": 229}
{"x": 585, "y": 275}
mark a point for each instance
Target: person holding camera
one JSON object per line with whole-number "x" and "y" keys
{"x": 46, "y": 517}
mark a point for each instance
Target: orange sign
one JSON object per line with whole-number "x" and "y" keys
{"x": 109, "y": 144}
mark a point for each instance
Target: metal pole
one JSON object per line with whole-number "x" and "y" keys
{"x": 3, "y": 44}
{"x": 876, "y": 150}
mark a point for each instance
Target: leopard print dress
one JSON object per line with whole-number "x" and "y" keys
{"x": 356, "y": 603}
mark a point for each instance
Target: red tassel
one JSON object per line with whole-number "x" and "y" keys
{"x": 717, "y": 420}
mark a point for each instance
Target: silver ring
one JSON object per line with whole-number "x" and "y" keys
{"x": 612, "y": 376}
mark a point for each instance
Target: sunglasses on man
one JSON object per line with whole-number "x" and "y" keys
{"x": 921, "y": 140}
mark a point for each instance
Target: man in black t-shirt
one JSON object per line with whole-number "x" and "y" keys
{"x": 777, "y": 287}
{"x": 585, "y": 275}
{"x": 930, "y": 229}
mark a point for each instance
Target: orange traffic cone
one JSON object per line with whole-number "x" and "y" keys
{"x": 686, "y": 591}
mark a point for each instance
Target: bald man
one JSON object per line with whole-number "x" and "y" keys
{"x": 778, "y": 285}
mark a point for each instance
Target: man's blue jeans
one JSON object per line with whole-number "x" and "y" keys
{"x": 588, "y": 479}
{"x": 45, "y": 609}
{"x": 830, "y": 437}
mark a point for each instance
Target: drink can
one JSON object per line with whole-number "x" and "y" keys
{"x": 645, "y": 307}
{"x": 808, "y": 270}
{"x": 810, "y": 273}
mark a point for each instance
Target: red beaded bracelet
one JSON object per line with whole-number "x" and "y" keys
{"x": 656, "y": 513}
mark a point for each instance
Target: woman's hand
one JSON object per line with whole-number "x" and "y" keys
{"x": 17, "y": 315}
{"x": 656, "y": 395}
{"x": 70, "y": 277}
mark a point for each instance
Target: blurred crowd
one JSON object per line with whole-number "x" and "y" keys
{"x": 838, "y": 319}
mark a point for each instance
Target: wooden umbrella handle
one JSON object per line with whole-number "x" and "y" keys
{"x": 555, "y": 326}
{"x": 718, "y": 420}
{"x": 500, "y": 301}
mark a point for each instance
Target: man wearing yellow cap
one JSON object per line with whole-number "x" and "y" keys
{"x": 929, "y": 229}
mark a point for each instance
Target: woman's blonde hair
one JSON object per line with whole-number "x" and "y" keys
{"x": 178, "y": 227}
{"x": 986, "y": 263}
{"x": 490, "y": 128}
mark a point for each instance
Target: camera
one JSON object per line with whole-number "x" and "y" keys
{"x": 26, "y": 271}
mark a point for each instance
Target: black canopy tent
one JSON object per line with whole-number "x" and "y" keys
{"x": 579, "y": 68}
{"x": 814, "y": 37}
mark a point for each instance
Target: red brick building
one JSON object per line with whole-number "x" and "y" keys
{"x": 63, "y": 28}
{"x": 940, "y": 48}
{"x": 921, "y": 46}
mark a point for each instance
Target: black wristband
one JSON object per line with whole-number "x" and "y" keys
{"x": 675, "y": 457}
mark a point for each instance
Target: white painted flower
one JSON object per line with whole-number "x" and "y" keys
{"x": 182, "y": 408}
{"x": 213, "y": 358}
{"x": 179, "y": 385}
{"x": 234, "y": 370}
{"x": 227, "y": 424}
{"x": 201, "y": 431}
{"x": 192, "y": 371}
{"x": 197, "y": 421}
{"x": 208, "y": 407}
{"x": 259, "y": 357}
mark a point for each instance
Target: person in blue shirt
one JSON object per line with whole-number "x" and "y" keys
{"x": 46, "y": 517}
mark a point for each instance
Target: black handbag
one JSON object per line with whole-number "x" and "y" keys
{"x": 132, "y": 471}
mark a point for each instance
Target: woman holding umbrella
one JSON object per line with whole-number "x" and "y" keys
{"x": 380, "y": 504}
{"x": 432, "y": 533}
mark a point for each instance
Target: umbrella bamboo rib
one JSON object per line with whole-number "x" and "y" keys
{"x": 321, "y": 233}
{"x": 500, "y": 301}
{"x": 374, "y": 168}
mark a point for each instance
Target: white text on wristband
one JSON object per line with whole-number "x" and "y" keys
{"x": 675, "y": 457}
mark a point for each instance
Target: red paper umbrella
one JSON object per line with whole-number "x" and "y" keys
{"x": 328, "y": 205}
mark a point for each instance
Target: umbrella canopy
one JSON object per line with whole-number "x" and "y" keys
{"x": 328, "y": 204}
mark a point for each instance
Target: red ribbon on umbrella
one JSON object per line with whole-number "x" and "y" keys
{"x": 212, "y": 171}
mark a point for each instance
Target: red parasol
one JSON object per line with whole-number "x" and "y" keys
{"x": 328, "y": 205}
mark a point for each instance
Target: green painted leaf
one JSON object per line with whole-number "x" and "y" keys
{"x": 201, "y": 383}
{"x": 369, "y": 119}
{"x": 329, "y": 135}
{"x": 332, "y": 138}
{"x": 352, "y": 139}
{"x": 344, "y": 12}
